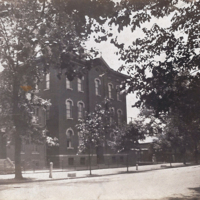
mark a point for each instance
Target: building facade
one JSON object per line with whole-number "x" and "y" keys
{"x": 70, "y": 100}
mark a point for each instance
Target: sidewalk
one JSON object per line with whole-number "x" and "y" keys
{"x": 43, "y": 175}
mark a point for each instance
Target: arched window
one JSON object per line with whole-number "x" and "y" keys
{"x": 47, "y": 81}
{"x": 80, "y": 138}
{"x": 80, "y": 105}
{"x": 39, "y": 116}
{"x": 69, "y": 134}
{"x": 80, "y": 84}
{"x": 110, "y": 87}
{"x": 47, "y": 112}
{"x": 119, "y": 117}
{"x": 112, "y": 112}
{"x": 97, "y": 87}
{"x": 69, "y": 104}
{"x": 118, "y": 92}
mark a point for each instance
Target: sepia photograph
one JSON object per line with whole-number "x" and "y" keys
{"x": 100, "y": 99}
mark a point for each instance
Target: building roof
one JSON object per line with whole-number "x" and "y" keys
{"x": 101, "y": 61}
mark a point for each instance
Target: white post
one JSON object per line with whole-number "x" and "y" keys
{"x": 50, "y": 170}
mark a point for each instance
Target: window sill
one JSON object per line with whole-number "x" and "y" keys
{"x": 98, "y": 95}
{"x": 35, "y": 153}
{"x": 22, "y": 153}
{"x": 36, "y": 91}
{"x": 70, "y": 118}
{"x": 70, "y": 147}
{"x": 46, "y": 89}
{"x": 81, "y": 91}
{"x": 69, "y": 88}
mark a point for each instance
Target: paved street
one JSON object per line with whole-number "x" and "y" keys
{"x": 170, "y": 184}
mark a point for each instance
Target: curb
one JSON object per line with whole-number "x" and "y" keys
{"x": 31, "y": 180}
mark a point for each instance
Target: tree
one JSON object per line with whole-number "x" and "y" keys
{"x": 164, "y": 64}
{"x": 126, "y": 138}
{"x": 36, "y": 35}
{"x": 93, "y": 129}
{"x": 178, "y": 137}
{"x": 165, "y": 82}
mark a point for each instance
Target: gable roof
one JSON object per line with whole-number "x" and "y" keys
{"x": 102, "y": 62}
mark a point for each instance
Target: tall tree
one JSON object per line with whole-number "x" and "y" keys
{"x": 164, "y": 64}
{"x": 34, "y": 36}
{"x": 126, "y": 138}
{"x": 93, "y": 130}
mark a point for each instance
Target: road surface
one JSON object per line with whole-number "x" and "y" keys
{"x": 168, "y": 184}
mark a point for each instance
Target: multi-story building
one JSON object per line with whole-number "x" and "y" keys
{"x": 70, "y": 100}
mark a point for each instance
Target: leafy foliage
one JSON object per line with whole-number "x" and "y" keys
{"x": 126, "y": 137}
{"x": 164, "y": 66}
{"x": 94, "y": 128}
{"x": 34, "y": 36}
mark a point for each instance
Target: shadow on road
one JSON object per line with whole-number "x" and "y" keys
{"x": 194, "y": 196}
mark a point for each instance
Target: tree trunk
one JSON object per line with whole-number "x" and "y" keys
{"x": 196, "y": 154}
{"x": 18, "y": 170}
{"x": 16, "y": 120}
{"x": 90, "y": 162}
{"x": 184, "y": 158}
{"x": 127, "y": 161}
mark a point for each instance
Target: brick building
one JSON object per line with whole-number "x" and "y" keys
{"x": 70, "y": 100}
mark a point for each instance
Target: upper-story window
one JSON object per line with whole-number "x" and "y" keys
{"x": 119, "y": 117}
{"x": 69, "y": 104}
{"x": 80, "y": 84}
{"x": 112, "y": 113}
{"x": 47, "y": 81}
{"x": 118, "y": 93}
{"x": 80, "y": 109}
{"x": 35, "y": 149}
{"x": 22, "y": 147}
{"x": 110, "y": 87}
{"x": 80, "y": 139}
{"x": 47, "y": 112}
{"x": 97, "y": 86}
{"x": 68, "y": 84}
{"x": 69, "y": 134}
{"x": 39, "y": 116}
